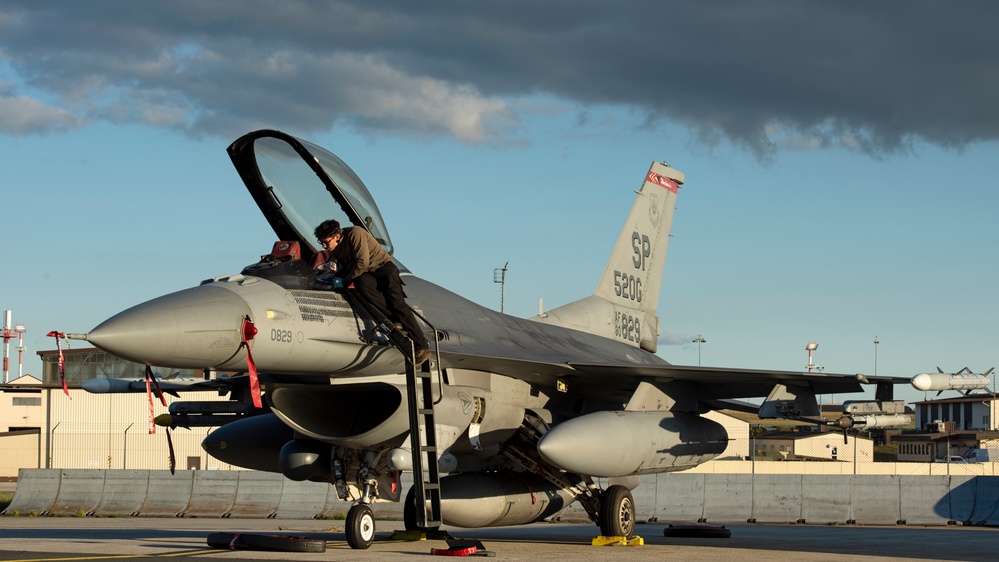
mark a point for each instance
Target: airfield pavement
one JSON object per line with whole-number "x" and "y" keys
{"x": 132, "y": 538}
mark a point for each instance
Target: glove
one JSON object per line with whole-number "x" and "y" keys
{"x": 328, "y": 282}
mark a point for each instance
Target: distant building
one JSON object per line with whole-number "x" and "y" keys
{"x": 91, "y": 363}
{"x": 972, "y": 412}
{"x": 790, "y": 440}
{"x": 939, "y": 441}
{"x": 813, "y": 445}
{"x": 738, "y": 435}
{"x": 41, "y": 427}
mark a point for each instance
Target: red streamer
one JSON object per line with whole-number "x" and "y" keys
{"x": 248, "y": 330}
{"x": 152, "y": 383}
{"x": 150, "y": 377}
{"x": 149, "y": 395}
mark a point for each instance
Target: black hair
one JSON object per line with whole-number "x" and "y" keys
{"x": 327, "y": 229}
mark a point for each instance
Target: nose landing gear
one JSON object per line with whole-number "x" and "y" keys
{"x": 360, "y": 526}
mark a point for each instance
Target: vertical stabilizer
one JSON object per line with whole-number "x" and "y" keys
{"x": 635, "y": 270}
{"x": 623, "y": 307}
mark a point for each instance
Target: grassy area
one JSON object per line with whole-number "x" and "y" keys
{"x": 5, "y": 499}
{"x": 885, "y": 453}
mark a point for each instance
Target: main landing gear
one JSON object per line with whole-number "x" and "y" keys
{"x": 613, "y": 510}
{"x": 617, "y": 512}
{"x": 409, "y": 516}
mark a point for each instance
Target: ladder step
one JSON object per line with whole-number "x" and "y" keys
{"x": 425, "y": 411}
{"x": 429, "y": 486}
{"x": 428, "y": 449}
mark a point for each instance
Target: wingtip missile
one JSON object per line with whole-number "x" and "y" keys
{"x": 945, "y": 381}
{"x": 112, "y": 386}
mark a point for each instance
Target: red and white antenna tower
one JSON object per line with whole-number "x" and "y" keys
{"x": 10, "y": 332}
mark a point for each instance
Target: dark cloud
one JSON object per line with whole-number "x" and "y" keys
{"x": 764, "y": 75}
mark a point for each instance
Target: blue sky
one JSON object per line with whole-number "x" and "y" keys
{"x": 833, "y": 192}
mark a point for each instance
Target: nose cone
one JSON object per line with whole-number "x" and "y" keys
{"x": 922, "y": 381}
{"x": 191, "y": 329}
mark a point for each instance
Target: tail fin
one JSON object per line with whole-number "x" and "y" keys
{"x": 623, "y": 307}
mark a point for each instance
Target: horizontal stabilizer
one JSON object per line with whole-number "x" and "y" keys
{"x": 790, "y": 402}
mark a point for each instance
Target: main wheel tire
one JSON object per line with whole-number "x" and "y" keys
{"x": 409, "y": 510}
{"x": 360, "y": 526}
{"x": 409, "y": 514}
{"x": 617, "y": 512}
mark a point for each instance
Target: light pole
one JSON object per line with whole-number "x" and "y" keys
{"x": 699, "y": 340}
{"x": 124, "y": 447}
{"x": 499, "y": 276}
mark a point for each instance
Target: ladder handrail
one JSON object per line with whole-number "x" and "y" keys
{"x": 404, "y": 344}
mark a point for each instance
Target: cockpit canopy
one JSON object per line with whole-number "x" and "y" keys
{"x": 298, "y": 185}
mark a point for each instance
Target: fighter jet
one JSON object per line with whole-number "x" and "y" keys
{"x": 520, "y": 416}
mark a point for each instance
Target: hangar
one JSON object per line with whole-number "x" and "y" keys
{"x": 43, "y": 427}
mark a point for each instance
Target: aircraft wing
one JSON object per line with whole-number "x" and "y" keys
{"x": 718, "y": 382}
{"x": 618, "y": 382}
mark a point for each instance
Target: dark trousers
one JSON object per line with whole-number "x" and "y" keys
{"x": 383, "y": 289}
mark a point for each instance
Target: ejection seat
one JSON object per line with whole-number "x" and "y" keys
{"x": 284, "y": 251}
{"x": 284, "y": 265}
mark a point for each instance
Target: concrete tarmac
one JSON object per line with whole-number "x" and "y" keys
{"x": 89, "y": 538}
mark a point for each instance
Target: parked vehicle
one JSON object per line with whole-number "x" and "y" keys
{"x": 953, "y": 459}
{"x": 979, "y": 455}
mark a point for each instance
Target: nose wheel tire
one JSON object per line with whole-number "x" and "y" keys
{"x": 617, "y": 512}
{"x": 360, "y": 526}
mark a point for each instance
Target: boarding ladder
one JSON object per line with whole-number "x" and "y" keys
{"x": 420, "y": 399}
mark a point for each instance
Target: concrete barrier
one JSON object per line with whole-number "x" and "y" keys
{"x": 985, "y": 507}
{"x": 258, "y": 494}
{"x": 124, "y": 492}
{"x": 727, "y": 497}
{"x": 669, "y": 498}
{"x": 824, "y": 501}
{"x": 36, "y": 491}
{"x": 971, "y": 501}
{"x": 917, "y": 492}
{"x": 876, "y": 500}
{"x": 776, "y": 498}
{"x": 302, "y": 500}
{"x": 677, "y": 499}
{"x": 213, "y": 493}
{"x": 80, "y": 492}
{"x": 167, "y": 494}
